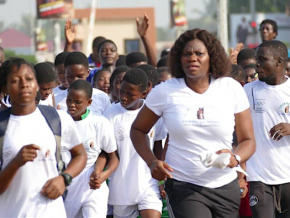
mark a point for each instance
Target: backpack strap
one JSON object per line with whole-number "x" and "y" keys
{"x": 53, "y": 120}
{"x": 4, "y": 118}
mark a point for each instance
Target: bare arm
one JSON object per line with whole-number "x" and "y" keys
{"x": 27, "y": 153}
{"x": 139, "y": 130}
{"x": 98, "y": 176}
{"x": 142, "y": 31}
{"x": 70, "y": 34}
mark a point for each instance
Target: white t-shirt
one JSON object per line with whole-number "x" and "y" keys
{"x": 59, "y": 96}
{"x": 23, "y": 198}
{"x": 97, "y": 134}
{"x": 47, "y": 102}
{"x": 269, "y": 106}
{"x": 100, "y": 102}
{"x": 198, "y": 123}
{"x": 132, "y": 177}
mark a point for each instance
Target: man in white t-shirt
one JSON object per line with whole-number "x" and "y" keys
{"x": 269, "y": 167}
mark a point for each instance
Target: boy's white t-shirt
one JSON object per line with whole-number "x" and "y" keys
{"x": 59, "y": 96}
{"x": 198, "y": 123}
{"x": 23, "y": 198}
{"x": 100, "y": 102}
{"x": 47, "y": 102}
{"x": 132, "y": 177}
{"x": 269, "y": 106}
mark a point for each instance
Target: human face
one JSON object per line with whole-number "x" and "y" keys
{"x": 247, "y": 62}
{"x": 131, "y": 96}
{"x": 77, "y": 102}
{"x": 22, "y": 86}
{"x": 117, "y": 84}
{"x": 45, "y": 89}
{"x": 61, "y": 75}
{"x": 287, "y": 68}
{"x": 251, "y": 75}
{"x": 195, "y": 60}
{"x": 102, "y": 81}
{"x": 75, "y": 72}
{"x": 108, "y": 54}
{"x": 266, "y": 65}
{"x": 267, "y": 32}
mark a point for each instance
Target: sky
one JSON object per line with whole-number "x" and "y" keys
{"x": 12, "y": 10}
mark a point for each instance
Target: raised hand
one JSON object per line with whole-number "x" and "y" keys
{"x": 143, "y": 27}
{"x": 69, "y": 32}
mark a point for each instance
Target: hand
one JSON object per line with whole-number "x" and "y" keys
{"x": 233, "y": 160}
{"x": 27, "y": 153}
{"x": 143, "y": 27}
{"x": 234, "y": 53}
{"x": 70, "y": 32}
{"x": 96, "y": 180}
{"x": 243, "y": 185}
{"x": 279, "y": 131}
{"x": 54, "y": 188}
{"x": 159, "y": 170}
{"x": 162, "y": 191}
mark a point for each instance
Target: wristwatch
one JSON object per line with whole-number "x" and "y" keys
{"x": 67, "y": 179}
{"x": 238, "y": 158}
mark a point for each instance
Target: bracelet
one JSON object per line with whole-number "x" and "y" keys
{"x": 161, "y": 182}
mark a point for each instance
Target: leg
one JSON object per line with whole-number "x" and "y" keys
{"x": 285, "y": 202}
{"x": 126, "y": 211}
{"x": 185, "y": 201}
{"x": 261, "y": 200}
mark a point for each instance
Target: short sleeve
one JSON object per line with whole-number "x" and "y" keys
{"x": 241, "y": 99}
{"x": 108, "y": 143}
{"x": 157, "y": 99}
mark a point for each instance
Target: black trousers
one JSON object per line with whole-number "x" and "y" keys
{"x": 269, "y": 201}
{"x": 192, "y": 201}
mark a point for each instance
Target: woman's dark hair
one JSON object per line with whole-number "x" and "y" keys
{"x": 219, "y": 64}
{"x": 8, "y": 66}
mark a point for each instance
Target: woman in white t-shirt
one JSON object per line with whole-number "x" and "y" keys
{"x": 200, "y": 108}
{"x": 30, "y": 185}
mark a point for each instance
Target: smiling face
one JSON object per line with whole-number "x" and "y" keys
{"x": 108, "y": 54}
{"x": 267, "y": 32}
{"x": 75, "y": 72}
{"x": 195, "y": 60}
{"x": 102, "y": 81}
{"x": 131, "y": 96}
{"x": 77, "y": 102}
{"x": 22, "y": 86}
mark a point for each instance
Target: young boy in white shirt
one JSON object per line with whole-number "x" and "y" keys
{"x": 88, "y": 194}
{"x": 132, "y": 189}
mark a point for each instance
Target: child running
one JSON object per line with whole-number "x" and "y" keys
{"x": 132, "y": 189}
{"x": 88, "y": 195}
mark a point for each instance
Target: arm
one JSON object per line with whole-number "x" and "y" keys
{"x": 27, "y": 153}
{"x": 70, "y": 34}
{"x": 158, "y": 150}
{"x": 139, "y": 130}
{"x": 142, "y": 31}
{"x": 55, "y": 187}
{"x": 280, "y": 130}
{"x": 246, "y": 139}
{"x": 98, "y": 176}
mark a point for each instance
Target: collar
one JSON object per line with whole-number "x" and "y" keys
{"x": 85, "y": 114}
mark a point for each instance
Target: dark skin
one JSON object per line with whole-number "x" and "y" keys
{"x": 271, "y": 70}
{"x": 22, "y": 87}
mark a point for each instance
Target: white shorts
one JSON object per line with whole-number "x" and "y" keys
{"x": 81, "y": 201}
{"x": 150, "y": 200}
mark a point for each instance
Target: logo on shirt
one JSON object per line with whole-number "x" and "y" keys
{"x": 284, "y": 108}
{"x": 259, "y": 105}
{"x": 119, "y": 133}
{"x": 253, "y": 200}
{"x": 200, "y": 113}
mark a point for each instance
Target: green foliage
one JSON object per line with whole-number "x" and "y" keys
{"x": 28, "y": 58}
{"x": 265, "y": 6}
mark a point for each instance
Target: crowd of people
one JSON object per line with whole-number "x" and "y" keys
{"x": 195, "y": 133}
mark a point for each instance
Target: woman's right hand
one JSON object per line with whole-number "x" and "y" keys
{"x": 27, "y": 153}
{"x": 159, "y": 170}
